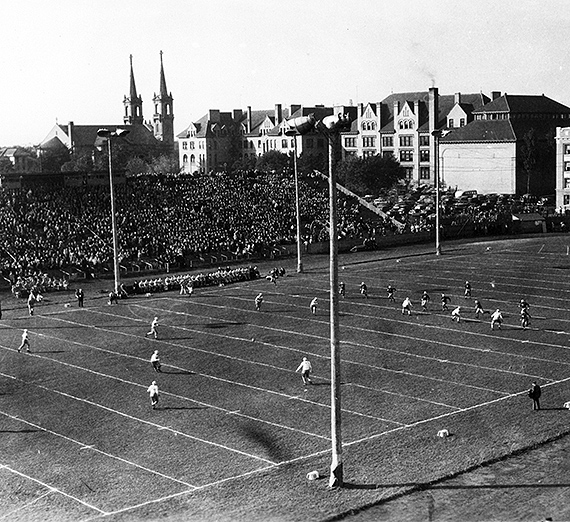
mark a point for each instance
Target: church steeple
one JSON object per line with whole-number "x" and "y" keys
{"x": 163, "y": 119}
{"x": 132, "y": 102}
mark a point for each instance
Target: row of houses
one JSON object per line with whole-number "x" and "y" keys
{"x": 498, "y": 144}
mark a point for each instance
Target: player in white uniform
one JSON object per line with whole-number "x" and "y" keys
{"x": 153, "y": 326}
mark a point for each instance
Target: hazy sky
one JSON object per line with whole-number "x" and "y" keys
{"x": 69, "y": 59}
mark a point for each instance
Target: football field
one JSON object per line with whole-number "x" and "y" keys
{"x": 236, "y": 431}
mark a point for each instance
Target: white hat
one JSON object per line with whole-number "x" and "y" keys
{"x": 153, "y": 382}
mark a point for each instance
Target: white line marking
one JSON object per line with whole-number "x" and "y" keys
{"x": 115, "y": 457}
{"x": 29, "y": 503}
{"x": 51, "y": 488}
{"x": 143, "y": 421}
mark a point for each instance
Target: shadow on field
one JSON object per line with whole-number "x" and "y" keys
{"x": 262, "y": 438}
{"x": 49, "y": 351}
{"x": 224, "y": 324}
{"x": 181, "y": 372}
{"x": 19, "y": 431}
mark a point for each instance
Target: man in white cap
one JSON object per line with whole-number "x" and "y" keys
{"x": 153, "y": 326}
{"x": 153, "y": 392}
{"x": 155, "y": 361}
{"x": 305, "y": 368}
{"x": 25, "y": 342}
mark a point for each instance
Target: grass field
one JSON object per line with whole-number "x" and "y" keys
{"x": 236, "y": 432}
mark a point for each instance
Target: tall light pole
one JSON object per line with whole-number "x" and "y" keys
{"x": 437, "y": 135}
{"x": 330, "y": 127}
{"x": 298, "y": 127}
{"x": 109, "y": 135}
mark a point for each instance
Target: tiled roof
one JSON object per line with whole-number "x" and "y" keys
{"x": 515, "y": 103}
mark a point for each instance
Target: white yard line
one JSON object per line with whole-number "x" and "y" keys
{"x": 51, "y": 488}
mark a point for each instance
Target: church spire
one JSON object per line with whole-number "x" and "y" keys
{"x": 132, "y": 102}
{"x": 163, "y": 118}
{"x": 163, "y": 89}
{"x": 133, "y": 90}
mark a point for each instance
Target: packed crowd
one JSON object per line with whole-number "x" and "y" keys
{"x": 161, "y": 218}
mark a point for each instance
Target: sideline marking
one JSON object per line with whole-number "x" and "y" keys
{"x": 115, "y": 457}
{"x": 51, "y": 488}
{"x": 6, "y": 515}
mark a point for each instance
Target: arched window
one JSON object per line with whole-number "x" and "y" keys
{"x": 185, "y": 159}
{"x": 192, "y": 159}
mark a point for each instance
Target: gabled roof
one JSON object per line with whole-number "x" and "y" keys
{"x": 469, "y": 102}
{"x": 516, "y": 103}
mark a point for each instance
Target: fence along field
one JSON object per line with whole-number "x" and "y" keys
{"x": 236, "y": 431}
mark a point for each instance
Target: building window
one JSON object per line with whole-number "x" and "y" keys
{"x": 350, "y": 142}
{"x": 424, "y": 173}
{"x": 567, "y": 149}
{"x": 185, "y": 159}
{"x": 368, "y": 141}
{"x": 406, "y": 141}
{"x": 406, "y": 155}
{"x": 462, "y": 122}
{"x": 567, "y": 199}
{"x": 284, "y": 144}
{"x": 409, "y": 172}
{"x": 424, "y": 141}
{"x": 310, "y": 143}
{"x": 191, "y": 145}
{"x": 184, "y": 145}
{"x": 424, "y": 155}
{"x": 387, "y": 154}
{"x": 320, "y": 143}
{"x": 387, "y": 141}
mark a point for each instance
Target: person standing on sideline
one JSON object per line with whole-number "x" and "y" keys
{"x": 25, "y": 342}
{"x": 444, "y": 300}
{"x": 342, "y": 289}
{"x": 364, "y": 289}
{"x": 313, "y": 306}
{"x": 305, "y": 368}
{"x": 407, "y": 306}
{"x": 152, "y": 390}
{"x": 153, "y": 326}
{"x": 467, "y": 289}
{"x": 496, "y": 319}
{"x": 391, "y": 290}
{"x": 155, "y": 361}
{"x": 79, "y": 295}
{"x": 425, "y": 300}
{"x": 456, "y": 314}
{"x": 258, "y": 301}
{"x": 534, "y": 393}
{"x": 31, "y": 303}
